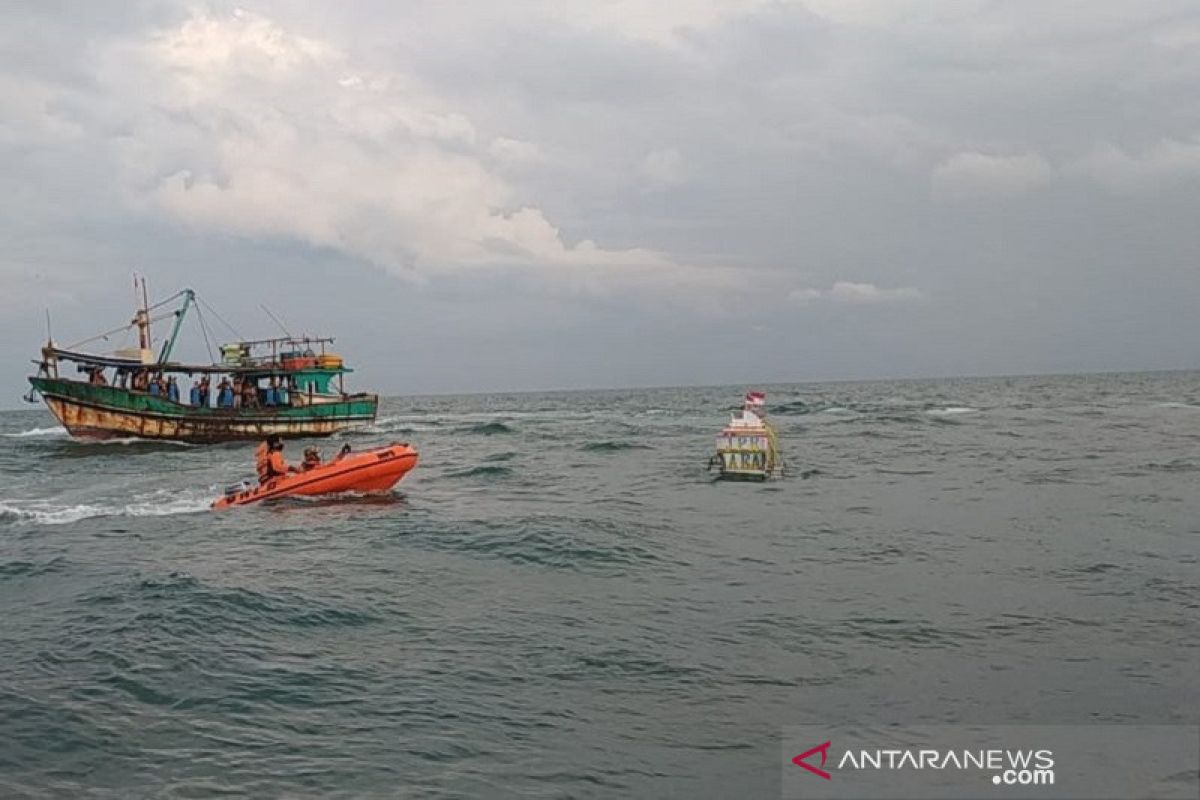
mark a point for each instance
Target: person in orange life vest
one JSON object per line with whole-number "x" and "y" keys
{"x": 268, "y": 459}
{"x": 312, "y": 459}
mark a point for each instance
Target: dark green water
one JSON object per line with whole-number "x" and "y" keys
{"x": 560, "y": 603}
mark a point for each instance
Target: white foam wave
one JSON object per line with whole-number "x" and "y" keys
{"x": 1177, "y": 405}
{"x": 57, "y": 430}
{"x": 393, "y": 425}
{"x": 128, "y": 440}
{"x": 951, "y": 411}
{"x": 159, "y": 504}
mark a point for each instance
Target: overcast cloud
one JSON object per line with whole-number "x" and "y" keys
{"x": 566, "y": 193}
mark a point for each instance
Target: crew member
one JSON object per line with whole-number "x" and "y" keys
{"x": 268, "y": 459}
{"x": 312, "y": 459}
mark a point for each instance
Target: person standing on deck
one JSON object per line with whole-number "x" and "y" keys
{"x": 194, "y": 393}
{"x": 172, "y": 389}
{"x": 204, "y": 386}
{"x": 155, "y": 388}
{"x": 224, "y": 394}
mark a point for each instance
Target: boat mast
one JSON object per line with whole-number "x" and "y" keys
{"x": 49, "y": 359}
{"x": 169, "y": 344}
{"x": 142, "y": 320}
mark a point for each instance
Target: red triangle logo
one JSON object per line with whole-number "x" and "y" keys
{"x": 823, "y": 749}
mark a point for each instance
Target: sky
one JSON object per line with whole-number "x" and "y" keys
{"x": 506, "y": 196}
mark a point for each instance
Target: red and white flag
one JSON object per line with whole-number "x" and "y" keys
{"x": 756, "y": 399}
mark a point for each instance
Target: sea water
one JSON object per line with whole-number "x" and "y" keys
{"x": 561, "y": 602}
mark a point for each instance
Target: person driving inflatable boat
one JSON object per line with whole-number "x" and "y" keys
{"x": 268, "y": 459}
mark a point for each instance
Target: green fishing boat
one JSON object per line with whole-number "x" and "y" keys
{"x": 291, "y": 385}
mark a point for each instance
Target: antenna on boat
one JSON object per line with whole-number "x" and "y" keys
{"x": 49, "y": 332}
{"x": 282, "y": 327}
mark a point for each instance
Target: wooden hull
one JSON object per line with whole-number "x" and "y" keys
{"x": 108, "y": 412}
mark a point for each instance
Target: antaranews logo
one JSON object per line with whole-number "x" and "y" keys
{"x": 985, "y": 762}
{"x": 1008, "y": 767}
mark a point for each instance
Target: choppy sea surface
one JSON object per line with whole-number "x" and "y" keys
{"x": 561, "y": 602}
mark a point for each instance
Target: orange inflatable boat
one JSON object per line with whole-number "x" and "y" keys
{"x": 370, "y": 472}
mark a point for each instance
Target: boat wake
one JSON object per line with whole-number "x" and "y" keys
{"x": 158, "y": 504}
{"x": 57, "y": 430}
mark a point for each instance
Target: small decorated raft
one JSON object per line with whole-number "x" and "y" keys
{"x": 748, "y": 448}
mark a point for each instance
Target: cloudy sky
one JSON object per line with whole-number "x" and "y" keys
{"x": 492, "y": 195}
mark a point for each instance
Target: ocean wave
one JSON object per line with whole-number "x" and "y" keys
{"x": 488, "y": 471}
{"x": 568, "y": 543}
{"x": 613, "y": 447}
{"x": 1188, "y": 406}
{"x": 193, "y": 603}
{"x": 406, "y": 424}
{"x": 28, "y": 569}
{"x": 57, "y": 430}
{"x": 951, "y": 411}
{"x": 394, "y": 425}
{"x": 159, "y": 504}
{"x": 1178, "y": 465}
{"x": 793, "y": 408}
{"x": 559, "y": 550}
{"x": 488, "y": 428}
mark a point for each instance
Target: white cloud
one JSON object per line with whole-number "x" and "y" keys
{"x": 857, "y": 294}
{"x": 515, "y": 151}
{"x": 1166, "y": 162}
{"x": 883, "y": 12}
{"x": 254, "y": 130}
{"x": 659, "y": 23}
{"x": 870, "y": 294}
{"x": 663, "y": 169}
{"x": 27, "y": 113}
{"x": 972, "y": 174}
{"x": 804, "y": 297}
